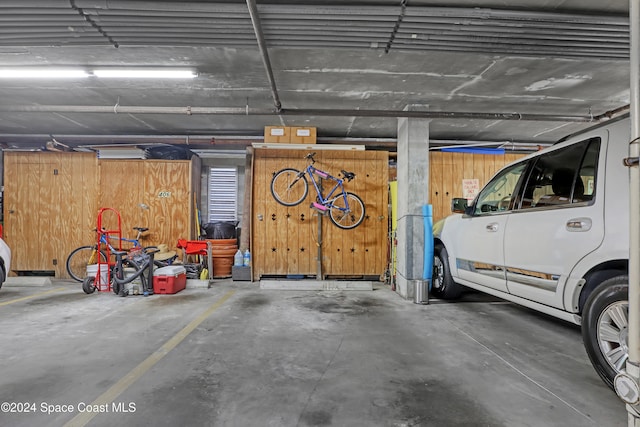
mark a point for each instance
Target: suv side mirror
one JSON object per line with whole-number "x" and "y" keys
{"x": 458, "y": 205}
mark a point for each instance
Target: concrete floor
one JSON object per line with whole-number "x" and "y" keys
{"x": 235, "y": 355}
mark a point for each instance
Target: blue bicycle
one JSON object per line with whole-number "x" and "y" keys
{"x": 290, "y": 187}
{"x": 79, "y": 258}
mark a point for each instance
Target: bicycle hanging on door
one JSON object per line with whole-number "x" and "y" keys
{"x": 290, "y": 187}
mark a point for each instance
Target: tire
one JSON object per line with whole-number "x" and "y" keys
{"x": 87, "y": 285}
{"x": 116, "y": 287}
{"x": 604, "y": 327}
{"x": 78, "y": 260}
{"x": 442, "y": 284}
{"x": 347, "y": 219}
{"x": 3, "y": 276}
{"x": 289, "y": 187}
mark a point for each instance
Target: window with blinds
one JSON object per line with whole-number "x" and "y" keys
{"x": 223, "y": 194}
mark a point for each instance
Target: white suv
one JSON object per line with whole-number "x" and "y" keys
{"x": 551, "y": 232}
{"x": 5, "y": 261}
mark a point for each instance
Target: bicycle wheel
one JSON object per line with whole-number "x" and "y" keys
{"x": 79, "y": 258}
{"x": 346, "y": 218}
{"x": 289, "y": 187}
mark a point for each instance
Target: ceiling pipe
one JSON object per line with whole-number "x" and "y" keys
{"x": 396, "y": 27}
{"x": 257, "y": 28}
{"x": 323, "y": 112}
{"x": 93, "y": 23}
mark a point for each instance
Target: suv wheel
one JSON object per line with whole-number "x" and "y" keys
{"x": 442, "y": 284}
{"x": 605, "y": 321}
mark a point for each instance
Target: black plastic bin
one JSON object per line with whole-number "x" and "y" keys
{"x": 220, "y": 230}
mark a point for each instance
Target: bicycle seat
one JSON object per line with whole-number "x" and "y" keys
{"x": 140, "y": 229}
{"x": 348, "y": 175}
{"x": 119, "y": 253}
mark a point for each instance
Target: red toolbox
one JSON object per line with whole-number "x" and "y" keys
{"x": 169, "y": 280}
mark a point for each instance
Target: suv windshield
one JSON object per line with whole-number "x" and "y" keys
{"x": 496, "y": 196}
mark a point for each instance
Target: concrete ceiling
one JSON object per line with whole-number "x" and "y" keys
{"x": 529, "y": 71}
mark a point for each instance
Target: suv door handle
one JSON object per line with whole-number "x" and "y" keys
{"x": 579, "y": 224}
{"x": 492, "y": 227}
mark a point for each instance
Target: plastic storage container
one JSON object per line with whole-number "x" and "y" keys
{"x": 238, "y": 259}
{"x": 101, "y": 282}
{"x": 170, "y": 279}
{"x": 135, "y": 286}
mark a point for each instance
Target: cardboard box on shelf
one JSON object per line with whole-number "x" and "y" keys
{"x": 303, "y": 135}
{"x": 277, "y": 134}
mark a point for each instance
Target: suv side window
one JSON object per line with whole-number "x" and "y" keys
{"x": 496, "y": 195}
{"x": 563, "y": 177}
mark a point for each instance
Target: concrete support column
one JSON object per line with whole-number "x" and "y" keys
{"x": 413, "y": 187}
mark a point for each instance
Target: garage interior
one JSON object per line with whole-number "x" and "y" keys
{"x": 428, "y": 95}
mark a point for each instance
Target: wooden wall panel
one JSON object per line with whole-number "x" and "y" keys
{"x": 457, "y": 174}
{"x": 122, "y": 188}
{"x": 280, "y": 238}
{"x": 51, "y": 192}
{"x": 448, "y": 169}
{"x": 164, "y": 186}
{"x": 167, "y": 192}
{"x": 22, "y": 203}
{"x": 79, "y": 203}
{"x": 259, "y": 217}
{"x": 436, "y": 198}
{"x": 50, "y": 201}
{"x": 284, "y": 242}
{"x": 449, "y": 181}
{"x": 376, "y": 213}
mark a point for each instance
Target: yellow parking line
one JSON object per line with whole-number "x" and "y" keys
{"x": 30, "y": 296}
{"x": 125, "y": 382}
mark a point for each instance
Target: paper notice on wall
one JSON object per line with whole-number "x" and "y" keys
{"x": 470, "y": 188}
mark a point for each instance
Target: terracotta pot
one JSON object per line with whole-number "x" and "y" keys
{"x": 222, "y": 253}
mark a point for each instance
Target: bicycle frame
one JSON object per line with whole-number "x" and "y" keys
{"x": 135, "y": 242}
{"x": 104, "y": 240}
{"x": 310, "y": 170}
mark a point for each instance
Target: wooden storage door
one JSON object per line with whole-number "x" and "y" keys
{"x": 49, "y": 207}
{"x": 164, "y": 186}
{"x": 284, "y": 239}
{"x": 169, "y": 195}
{"x": 122, "y": 188}
{"x": 361, "y": 251}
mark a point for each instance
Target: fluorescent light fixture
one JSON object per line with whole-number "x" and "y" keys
{"x": 142, "y": 73}
{"x": 42, "y": 73}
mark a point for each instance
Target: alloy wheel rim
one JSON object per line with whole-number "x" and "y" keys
{"x": 613, "y": 334}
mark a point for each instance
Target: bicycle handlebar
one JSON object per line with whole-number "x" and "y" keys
{"x": 310, "y": 156}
